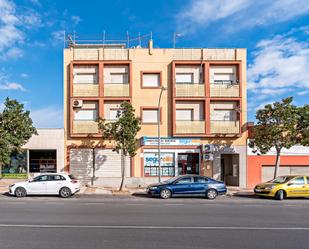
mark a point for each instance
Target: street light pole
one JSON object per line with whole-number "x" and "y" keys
{"x": 159, "y": 135}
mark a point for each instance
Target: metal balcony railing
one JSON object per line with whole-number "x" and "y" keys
{"x": 116, "y": 90}
{"x": 85, "y": 127}
{"x": 190, "y": 127}
{"x": 224, "y": 127}
{"x": 190, "y": 90}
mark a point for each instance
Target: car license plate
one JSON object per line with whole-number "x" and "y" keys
{"x": 258, "y": 190}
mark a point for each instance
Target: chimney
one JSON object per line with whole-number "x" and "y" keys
{"x": 150, "y": 46}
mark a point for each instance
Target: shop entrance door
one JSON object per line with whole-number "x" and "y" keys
{"x": 188, "y": 163}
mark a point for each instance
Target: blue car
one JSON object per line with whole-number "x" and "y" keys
{"x": 188, "y": 185}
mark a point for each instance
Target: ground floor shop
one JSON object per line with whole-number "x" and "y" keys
{"x": 44, "y": 153}
{"x": 293, "y": 161}
{"x": 179, "y": 156}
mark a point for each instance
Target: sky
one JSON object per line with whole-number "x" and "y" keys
{"x": 274, "y": 32}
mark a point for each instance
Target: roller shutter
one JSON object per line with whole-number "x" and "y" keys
{"x": 268, "y": 171}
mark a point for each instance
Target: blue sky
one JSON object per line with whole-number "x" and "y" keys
{"x": 275, "y": 33}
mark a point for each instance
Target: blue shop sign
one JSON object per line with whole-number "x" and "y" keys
{"x": 170, "y": 141}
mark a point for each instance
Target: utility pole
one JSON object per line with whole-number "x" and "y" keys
{"x": 159, "y": 135}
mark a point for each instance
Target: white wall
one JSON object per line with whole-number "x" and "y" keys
{"x": 49, "y": 139}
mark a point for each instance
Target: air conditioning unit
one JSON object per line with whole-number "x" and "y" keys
{"x": 208, "y": 157}
{"x": 207, "y": 148}
{"x": 77, "y": 103}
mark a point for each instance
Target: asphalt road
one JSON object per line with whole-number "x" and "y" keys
{"x": 139, "y": 222}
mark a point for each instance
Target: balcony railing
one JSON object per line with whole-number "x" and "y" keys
{"x": 190, "y": 127}
{"x": 87, "y": 90}
{"x": 224, "y": 90}
{"x": 224, "y": 127}
{"x": 190, "y": 90}
{"x": 116, "y": 90}
{"x": 85, "y": 127}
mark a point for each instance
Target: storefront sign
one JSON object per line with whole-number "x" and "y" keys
{"x": 151, "y": 159}
{"x": 170, "y": 141}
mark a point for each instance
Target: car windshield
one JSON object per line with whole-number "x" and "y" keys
{"x": 171, "y": 179}
{"x": 281, "y": 179}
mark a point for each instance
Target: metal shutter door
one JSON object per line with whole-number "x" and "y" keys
{"x": 108, "y": 163}
{"x": 268, "y": 172}
{"x": 81, "y": 163}
{"x": 300, "y": 170}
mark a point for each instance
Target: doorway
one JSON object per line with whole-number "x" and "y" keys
{"x": 42, "y": 161}
{"x": 230, "y": 169}
{"x": 188, "y": 163}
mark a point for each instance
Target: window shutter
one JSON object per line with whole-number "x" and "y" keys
{"x": 150, "y": 116}
{"x": 151, "y": 80}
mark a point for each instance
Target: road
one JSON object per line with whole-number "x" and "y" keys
{"x": 137, "y": 222}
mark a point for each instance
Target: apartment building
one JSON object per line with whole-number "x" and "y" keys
{"x": 204, "y": 104}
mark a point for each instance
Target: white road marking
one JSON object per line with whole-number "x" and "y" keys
{"x": 154, "y": 227}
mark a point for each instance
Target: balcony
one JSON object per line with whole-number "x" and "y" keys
{"x": 224, "y": 90}
{"x": 190, "y": 90}
{"x": 190, "y": 127}
{"x": 85, "y": 90}
{"x": 224, "y": 127}
{"x": 116, "y": 90}
{"x": 85, "y": 127}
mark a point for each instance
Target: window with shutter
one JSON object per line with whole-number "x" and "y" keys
{"x": 85, "y": 74}
{"x": 151, "y": 79}
{"x": 184, "y": 114}
{"x": 150, "y": 116}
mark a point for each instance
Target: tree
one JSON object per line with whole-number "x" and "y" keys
{"x": 16, "y": 128}
{"x": 123, "y": 133}
{"x": 303, "y": 125}
{"x": 276, "y": 127}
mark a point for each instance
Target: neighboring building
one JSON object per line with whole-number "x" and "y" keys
{"x": 205, "y": 103}
{"x": 293, "y": 161}
{"x": 42, "y": 153}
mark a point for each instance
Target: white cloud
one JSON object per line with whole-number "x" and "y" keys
{"x": 14, "y": 21}
{"x": 238, "y": 13}
{"x": 24, "y": 75}
{"x": 57, "y": 37}
{"x": 47, "y": 117}
{"x": 76, "y": 19}
{"x": 12, "y": 86}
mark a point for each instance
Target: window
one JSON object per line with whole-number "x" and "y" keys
{"x": 298, "y": 181}
{"x": 184, "y": 180}
{"x": 185, "y": 78}
{"x": 223, "y": 74}
{"x": 150, "y": 116}
{"x": 198, "y": 179}
{"x": 85, "y": 115}
{"x": 56, "y": 178}
{"x": 40, "y": 178}
{"x": 184, "y": 114}
{"x": 113, "y": 114}
{"x": 151, "y": 165}
{"x": 88, "y": 111}
{"x": 223, "y": 115}
{"x": 116, "y": 74}
{"x": 151, "y": 80}
{"x": 85, "y": 74}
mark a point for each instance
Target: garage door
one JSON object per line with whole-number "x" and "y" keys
{"x": 107, "y": 163}
{"x": 268, "y": 171}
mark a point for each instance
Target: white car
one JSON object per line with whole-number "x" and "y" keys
{"x": 46, "y": 184}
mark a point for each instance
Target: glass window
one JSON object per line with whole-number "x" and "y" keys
{"x": 56, "y": 178}
{"x": 40, "y": 178}
{"x": 151, "y": 165}
{"x": 184, "y": 114}
{"x": 116, "y": 74}
{"x": 151, "y": 80}
{"x": 184, "y": 180}
{"x": 223, "y": 115}
{"x": 150, "y": 116}
{"x": 85, "y": 115}
{"x": 199, "y": 179}
{"x": 223, "y": 74}
{"x": 85, "y": 74}
{"x": 186, "y": 78}
{"x": 298, "y": 181}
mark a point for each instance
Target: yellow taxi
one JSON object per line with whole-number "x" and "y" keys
{"x": 284, "y": 187}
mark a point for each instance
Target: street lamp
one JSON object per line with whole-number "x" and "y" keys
{"x": 159, "y": 136}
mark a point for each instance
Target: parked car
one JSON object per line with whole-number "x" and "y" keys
{"x": 284, "y": 187}
{"x": 46, "y": 184}
{"x": 188, "y": 185}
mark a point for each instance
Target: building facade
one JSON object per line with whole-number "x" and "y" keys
{"x": 43, "y": 153}
{"x": 293, "y": 161}
{"x": 204, "y": 104}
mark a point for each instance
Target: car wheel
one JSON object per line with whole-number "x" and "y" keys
{"x": 211, "y": 194}
{"x": 65, "y": 192}
{"x": 20, "y": 192}
{"x": 165, "y": 194}
{"x": 280, "y": 195}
